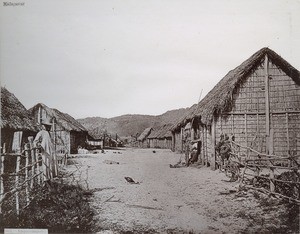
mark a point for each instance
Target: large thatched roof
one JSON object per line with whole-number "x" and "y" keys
{"x": 144, "y": 134}
{"x": 219, "y": 99}
{"x": 64, "y": 120}
{"x": 161, "y": 132}
{"x": 13, "y": 114}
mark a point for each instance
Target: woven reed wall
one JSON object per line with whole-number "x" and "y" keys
{"x": 247, "y": 121}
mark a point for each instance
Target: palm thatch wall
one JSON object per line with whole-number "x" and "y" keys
{"x": 14, "y": 117}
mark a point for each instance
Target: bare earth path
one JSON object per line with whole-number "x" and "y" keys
{"x": 166, "y": 199}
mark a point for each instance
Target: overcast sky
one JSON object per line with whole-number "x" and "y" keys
{"x": 107, "y": 58}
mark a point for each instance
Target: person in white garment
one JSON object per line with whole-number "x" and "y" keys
{"x": 43, "y": 140}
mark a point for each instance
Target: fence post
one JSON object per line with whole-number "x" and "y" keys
{"x": 31, "y": 151}
{"x": 272, "y": 183}
{"x": 27, "y": 150}
{"x": 17, "y": 184}
{"x": 1, "y": 179}
{"x": 38, "y": 168}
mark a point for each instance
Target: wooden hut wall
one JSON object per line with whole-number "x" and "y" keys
{"x": 204, "y": 135}
{"x": 168, "y": 143}
{"x": 285, "y": 112}
{"x": 247, "y": 119}
{"x": 178, "y": 141}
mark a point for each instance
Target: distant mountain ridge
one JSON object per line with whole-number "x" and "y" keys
{"x": 131, "y": 124}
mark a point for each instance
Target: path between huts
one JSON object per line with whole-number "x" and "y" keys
{"x": 166, "y": 199}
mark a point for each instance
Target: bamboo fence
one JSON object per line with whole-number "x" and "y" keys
{"x": 267, "y": 167}
{"x": 21, "y": 172}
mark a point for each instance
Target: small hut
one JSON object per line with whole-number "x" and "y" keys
{"x": 67, "y": 133}
{"x": 258, "y": 103}
{"x": 161, "y": 137}
{"x": 16, "y": 122}
{"x": 95, "y": 139}
{"x": 165, "y": 137}
{"x": 142, "y": 139}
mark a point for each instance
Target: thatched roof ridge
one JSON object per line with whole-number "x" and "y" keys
{"x": 162, "y": 132}
{"x": 144, "y": 134}
{"x": 181, "y": 121}
{"x": 13, "y": 114}
{"x": 219, "y": 99}
{"x": 64, "y": 120}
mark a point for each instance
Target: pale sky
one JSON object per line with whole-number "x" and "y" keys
{"x": 107, "y": 58}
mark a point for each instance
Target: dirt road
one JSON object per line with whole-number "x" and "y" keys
{"x": 166, "y": 199}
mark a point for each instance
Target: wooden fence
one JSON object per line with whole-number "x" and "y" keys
{"x": 21, "y": 172}
{"x": 267, "y": 173}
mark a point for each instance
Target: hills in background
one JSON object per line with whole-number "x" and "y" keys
{"x": 131, "y": 125}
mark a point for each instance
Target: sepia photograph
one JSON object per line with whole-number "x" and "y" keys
{"x": 150, "y": 116}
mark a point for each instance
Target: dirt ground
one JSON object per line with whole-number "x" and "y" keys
{"x": 165, "y": 199}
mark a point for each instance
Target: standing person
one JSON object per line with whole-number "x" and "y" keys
{"x": 43, "y": 139}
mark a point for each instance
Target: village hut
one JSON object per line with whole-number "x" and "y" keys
{"x": 95, "y": 139}
{"x": 142, "y": 139}
{"x": 161, "y": 137}
{"x": 257, "y": 103}
{"x": 178, "y": 129}
{"x": 165, "y": 137}
{"x": 152, "y": 138}
{"x": 16, "y": 123}
{"x": 67, "y": 133}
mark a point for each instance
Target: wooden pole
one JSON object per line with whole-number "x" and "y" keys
{"x": 38, "y": 168}
{"x": 173, "y": 141}
{"x": 267, "y": 103}
{"x": 27, "y": 150}
{"x": 54, "y": 158}
{"x": 39, "y": 116}
{"x": 17, "y": 184}
{"x": 272, "y": 184}
{"x": 30, "y": 140}
{"x": 1, "y": 179}
{"x": 213, "y": 144}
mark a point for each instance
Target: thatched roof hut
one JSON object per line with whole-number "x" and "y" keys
{"x": 13, "y": 114}
{"x": 145, "y": 134}
{"x": 69, "y": 132}
{"x": 219, "y": 99}
{"x": 63, "y": 119}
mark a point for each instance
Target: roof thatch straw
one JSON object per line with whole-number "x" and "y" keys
{"x": 13, "y": 114}
{"x": 144, "y": 134}
{"x": 64, "y": 120}
{"x": 183, "y": 119}
{"x": 219, "y": 99}
{"x": 97, "y": 133}
{"x": 161, "y": 133}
